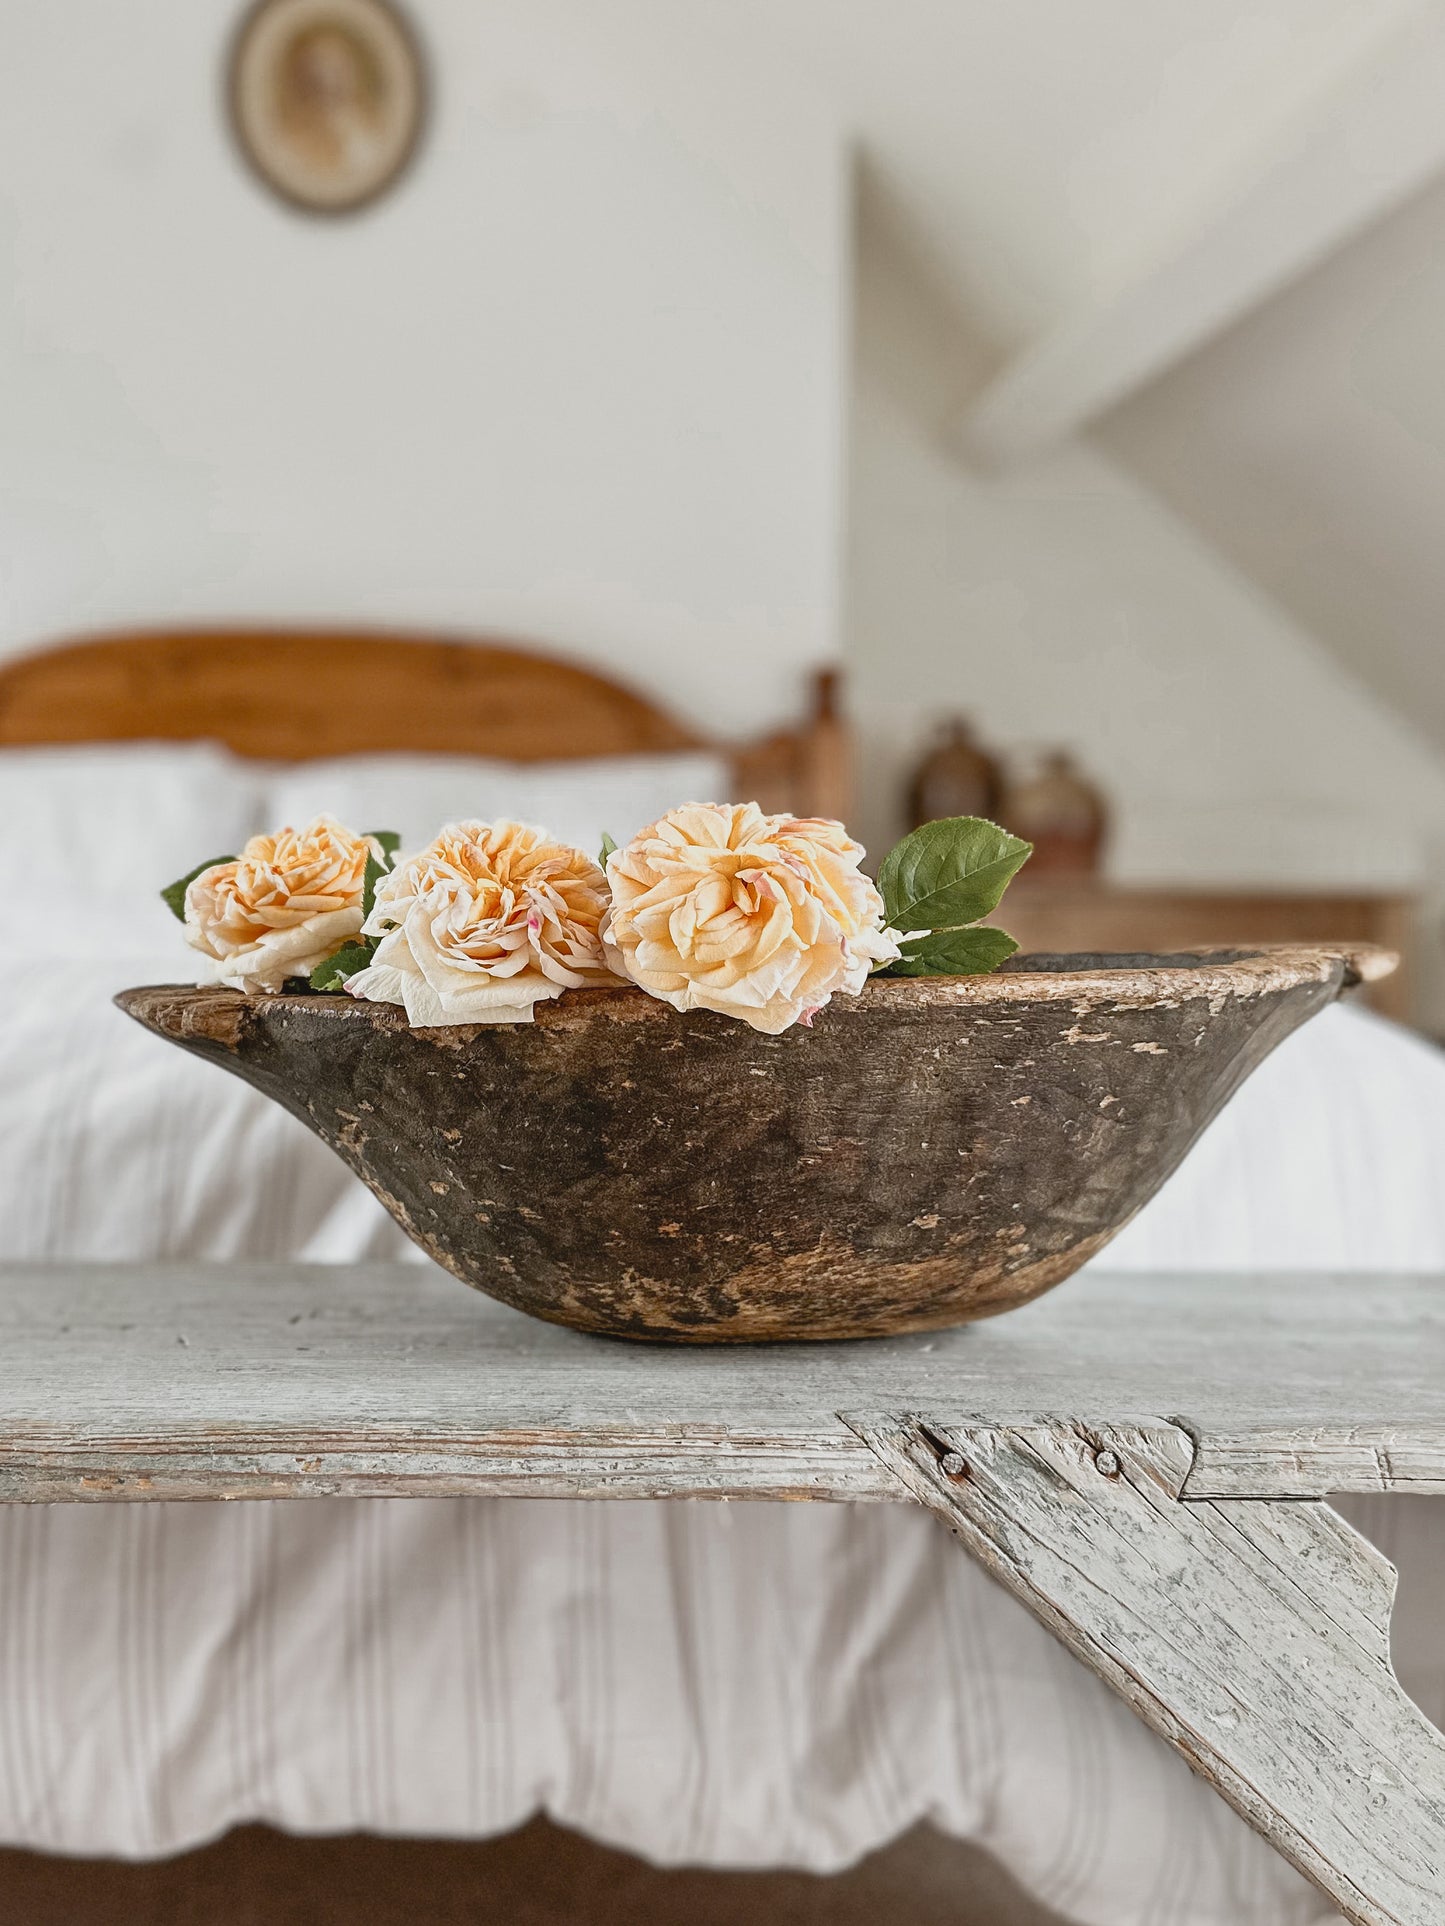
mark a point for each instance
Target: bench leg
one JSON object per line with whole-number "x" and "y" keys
{"x": 1252, "y": 1634}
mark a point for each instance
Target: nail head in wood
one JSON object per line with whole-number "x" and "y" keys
{"x": 1107, "y": 1462}
{"x": 953, "y": 1464}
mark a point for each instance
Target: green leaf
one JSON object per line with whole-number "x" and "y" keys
{"x": 334, "y": 972}
{"x": 949, "y": 873}
{"x": 972, "y": 952}
{"x": 390, "y": 841}
{"x": 607, "y": 848}
{"x": 374, "y": 874}
{"x": 390, "y": 844}
{"x": 174, "y": 894}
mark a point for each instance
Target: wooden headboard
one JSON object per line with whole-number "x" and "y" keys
{"x": 286, "y": 695}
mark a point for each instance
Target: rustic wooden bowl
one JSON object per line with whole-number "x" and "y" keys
{"x": 934, "y": 1150}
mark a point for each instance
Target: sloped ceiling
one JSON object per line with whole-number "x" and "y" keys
{"x": 1034, "y": 151}
{"x": 1206, "y": 229}
{"x": 1308, "y": 443}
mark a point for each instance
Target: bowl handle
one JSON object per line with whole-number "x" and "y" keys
{"x": 1364, "y": 962}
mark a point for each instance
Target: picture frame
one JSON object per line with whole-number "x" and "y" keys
{"x": 327, "y": 99}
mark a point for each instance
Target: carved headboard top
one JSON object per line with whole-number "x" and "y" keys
{"x": 287, "y": 695}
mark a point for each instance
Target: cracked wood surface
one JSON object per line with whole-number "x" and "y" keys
{"x": 255, "y": 1380}
{"x": 1253, "y": 1635}
{"x": 1171, "y": 1553}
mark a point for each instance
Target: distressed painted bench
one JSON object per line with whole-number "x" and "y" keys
{"x": 1143, "y": 1461}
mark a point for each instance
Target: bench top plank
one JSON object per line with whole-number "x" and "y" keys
{"x": 185, "y": 1380}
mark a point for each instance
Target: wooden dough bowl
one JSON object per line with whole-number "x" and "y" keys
{"x": 934, "y": 1150}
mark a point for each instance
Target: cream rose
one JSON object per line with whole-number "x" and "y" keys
{"x": 488, "y": 921}
{"x": 719, "y": 907}
{"x": 285, "y": 904}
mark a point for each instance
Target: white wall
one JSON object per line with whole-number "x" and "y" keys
{"x": 1067, "y": 604}
{"x": 578, "y": 379}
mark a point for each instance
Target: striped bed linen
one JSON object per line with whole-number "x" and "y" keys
{"x": 731, "y": 1685}
{"x": 734, "y": 1685}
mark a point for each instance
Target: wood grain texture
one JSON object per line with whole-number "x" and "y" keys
{"x": 294, "y": 1380}
{"x": 1087, "y": 913}
{"x": 287, "y": 695}
{"x": 930, "y": 1151}
{"x": 1251, "y": 1633}
{"x": 1253, "y": 1636}
{"x": 284, "y": 695}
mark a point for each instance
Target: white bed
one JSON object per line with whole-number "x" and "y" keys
{"x": 734, "y": 1685}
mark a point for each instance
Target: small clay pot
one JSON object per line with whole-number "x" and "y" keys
{"x": 934, "y": 1150}
{"x": 1061, "y": 813}
{"x": 957, "y": 777}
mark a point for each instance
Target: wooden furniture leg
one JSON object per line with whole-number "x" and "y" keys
{"x": 1253, "y": 1634}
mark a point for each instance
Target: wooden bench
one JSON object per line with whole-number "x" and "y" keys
{"x": 1141, "y": 1460}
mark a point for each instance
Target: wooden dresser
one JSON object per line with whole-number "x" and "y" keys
{"x": 1082, "y": 913}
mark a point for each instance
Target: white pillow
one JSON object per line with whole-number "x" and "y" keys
{"x": 94, "y": 831}
{"x": 416, "y": 795}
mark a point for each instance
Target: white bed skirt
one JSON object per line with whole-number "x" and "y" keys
{"x": 733, "y": 1685}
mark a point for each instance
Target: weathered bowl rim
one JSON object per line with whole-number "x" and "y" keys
{"x": 892, "y": 1172}
{"x": 1128, "y": 983}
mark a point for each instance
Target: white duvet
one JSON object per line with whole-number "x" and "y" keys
{"x": 737, "y": 1685}
{"x": 114, "y": 1145}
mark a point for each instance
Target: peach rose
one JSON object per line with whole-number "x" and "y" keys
{"x": 285, "y": 904}
{"x": 719, "y": 907}
{"x": 488, "y": 921}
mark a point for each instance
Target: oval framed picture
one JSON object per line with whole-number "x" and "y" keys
{"x": 327, "y": 99}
